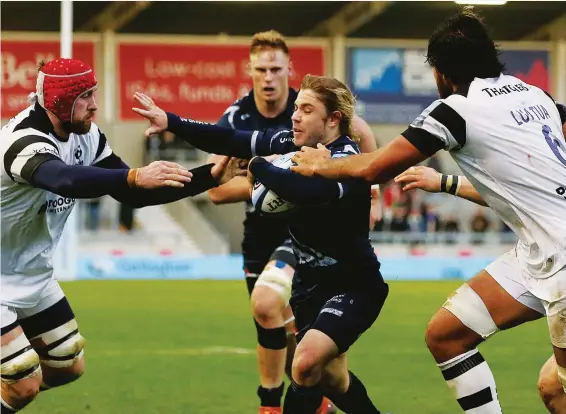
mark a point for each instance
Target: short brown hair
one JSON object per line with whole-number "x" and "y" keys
{"x": 271, "y": 39}
{"x": 335, "y": 96}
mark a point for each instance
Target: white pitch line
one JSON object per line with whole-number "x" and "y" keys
{"x": 211, "y": 350}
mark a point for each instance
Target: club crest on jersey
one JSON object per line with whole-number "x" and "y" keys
{"x": 79, "y": 156}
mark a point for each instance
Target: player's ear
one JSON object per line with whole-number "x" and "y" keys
{"x": 249, "y": 68}
{"x": 291, "y": 73}
{"x": 336, "y": 118}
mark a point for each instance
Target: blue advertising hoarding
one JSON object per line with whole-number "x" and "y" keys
{"x": 229, "y": 267}
{"x": 394, "y": 85}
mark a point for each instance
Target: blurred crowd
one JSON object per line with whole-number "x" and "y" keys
{"x": 417, "y": 216}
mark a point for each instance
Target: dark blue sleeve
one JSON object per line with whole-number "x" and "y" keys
{"x": 212, "y": 138}
{"x": 140, "y": 197}
{"x": 226, "y": 141}
{"x": 297, "y": 188}
{"x": 78, "y": 181}
{"x": 275, "y": 141}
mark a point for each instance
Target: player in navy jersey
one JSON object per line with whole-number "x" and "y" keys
{"x": 266, "y": 247}
{"x": 338, "y": 290}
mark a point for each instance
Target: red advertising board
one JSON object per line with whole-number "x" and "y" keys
{"x": 20, "y": 59}
{"x": 196, "y": 80}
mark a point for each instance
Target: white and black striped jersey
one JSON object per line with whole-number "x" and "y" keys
{"x": 33, "y": 219}
{"x": 506, "y": 136}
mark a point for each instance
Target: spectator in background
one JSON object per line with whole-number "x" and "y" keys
{"x": 430, "y": 223}
{"x": 400, "y": 218}
{"x": 451, "y": 228}
{"x": 92, "y": 216}
{"x": 479, "y": 226}
{"x": 157, "y": 145}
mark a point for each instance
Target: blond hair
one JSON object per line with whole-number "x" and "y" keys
{"x": 271, "y": 39}
{"x": 336, "y": 97}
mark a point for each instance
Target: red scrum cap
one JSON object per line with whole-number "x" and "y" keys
{"x": 60, "y": 83}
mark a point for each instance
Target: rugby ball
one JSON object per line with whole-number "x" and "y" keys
{"x": 266, "y": 201}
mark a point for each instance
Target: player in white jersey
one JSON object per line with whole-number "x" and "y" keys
{"x": 51, "y": 154}
{"x": 507, "y": 138}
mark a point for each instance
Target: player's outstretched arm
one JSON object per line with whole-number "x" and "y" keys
{"x": 158, "y": 183}
{"x": 204, "y": 136}
{"x": 376, "y": 167}
{"x": 78, "y": 181}
{"x": 430, "y": 180}
{"x": 203, "y": 178}
{"x": 235, "y": 190}
{"x": 296, "y": 188}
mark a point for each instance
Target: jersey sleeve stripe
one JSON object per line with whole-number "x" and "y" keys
{"x": 20, "y": 145}
{"x": 452, "y": 120}
{"x": 423, "y": 140}
{"x": 101, "y": 144}
{"x": 31, "y": 164}
{"x": 253, "y": 143}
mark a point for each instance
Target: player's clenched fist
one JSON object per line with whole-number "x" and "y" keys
{"x": 425, "y": 178}
{"x": 159, "y": 174}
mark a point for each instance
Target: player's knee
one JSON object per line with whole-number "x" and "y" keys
{"x": 63, "y": 358}
{"x": 460, "y": 325}
{"x": 305, "y": 365}
{"x": 56, "y": 377}
{"x": 550, "y": 389}
{"x": 22, "y": 392}
{"x": 272, "y": 290}
{"x": 21, "y": 373}
{"x": 435, "y": 334}
{"x": 267, "y": 305}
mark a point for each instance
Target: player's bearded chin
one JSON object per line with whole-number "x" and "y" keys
{"x": 77, "y": 126}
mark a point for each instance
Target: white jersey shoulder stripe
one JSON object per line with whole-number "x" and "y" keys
{"x": 23, "y": 150}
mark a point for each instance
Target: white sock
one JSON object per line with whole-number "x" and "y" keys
{"x": 472, "y": 383}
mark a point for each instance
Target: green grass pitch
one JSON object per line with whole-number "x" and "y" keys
{"x": 157, "y": 347}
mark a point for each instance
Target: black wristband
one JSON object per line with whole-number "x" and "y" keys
{"x": 454, "y": 187}
{"x": 443, "y": 179}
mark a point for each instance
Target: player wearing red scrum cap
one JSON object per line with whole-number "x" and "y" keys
{"x": 52, "y": 153}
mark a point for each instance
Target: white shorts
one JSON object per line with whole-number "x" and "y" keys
{"x": 49, "y": 297}
{"x": 546, "y": 296}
